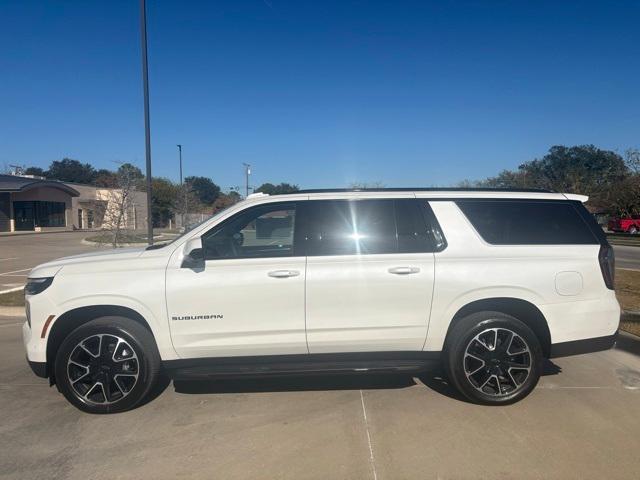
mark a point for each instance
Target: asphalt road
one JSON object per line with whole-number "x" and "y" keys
{"x": 582, "y": 422}
{"x": 627, "y": 257}
{"x": 20, "y": 253}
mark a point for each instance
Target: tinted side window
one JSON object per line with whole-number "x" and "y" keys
{"x": 343, "y": 227}
{"x": 258, "y": 232}
{"x": 527, "y": 222}
{"x": 415, "y": 226}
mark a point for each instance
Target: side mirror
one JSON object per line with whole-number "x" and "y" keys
{"x": 193, "y": 254}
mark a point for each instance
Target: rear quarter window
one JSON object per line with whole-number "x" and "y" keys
{"x": 526, "y": 222}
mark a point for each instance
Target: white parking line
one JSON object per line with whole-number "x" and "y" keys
{"x": 366, "y": 424}
{"x": 15, "y": 289}
{"x": 14, "y": 271}
{"x": 5, "y": 259}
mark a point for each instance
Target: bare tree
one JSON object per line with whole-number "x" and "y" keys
{"x": 632, "y": 159}
{"x": 120, "y": 205}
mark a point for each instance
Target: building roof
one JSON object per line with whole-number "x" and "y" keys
{"x": 14, "y": 183}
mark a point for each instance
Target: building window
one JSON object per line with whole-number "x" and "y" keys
{"x": 29, "y": 215}
{"x": 50, "y": 214}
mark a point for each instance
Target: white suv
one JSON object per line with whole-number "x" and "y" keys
{"x": 486, "y": 283}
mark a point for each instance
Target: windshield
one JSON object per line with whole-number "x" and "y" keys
{"x": 187, "y": 229}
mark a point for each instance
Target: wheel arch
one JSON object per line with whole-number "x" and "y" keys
{"x": 72, "y": 319}
{"x": 523, "y": 310}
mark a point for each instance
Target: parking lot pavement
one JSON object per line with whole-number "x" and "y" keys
{"x": 582, "y": 421}
{"x": 20, "y": 253}
{"x": 627, "y": 256}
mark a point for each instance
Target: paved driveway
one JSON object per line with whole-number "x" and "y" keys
{"x": 582, "y": 422}
{"x": 20, "y": 253}
{"x": 627, "y": 257}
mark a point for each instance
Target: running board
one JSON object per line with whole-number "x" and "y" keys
{"x": 374, "y": 362}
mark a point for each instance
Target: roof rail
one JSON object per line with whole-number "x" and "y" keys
{"x": 430, "y": 189}
{"x": 257, "y": 195}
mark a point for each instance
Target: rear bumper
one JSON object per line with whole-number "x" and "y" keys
{"x": 39, "y": 368}
{"x": 578, "y": 347}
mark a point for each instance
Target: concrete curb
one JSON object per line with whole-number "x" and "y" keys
{"x": 84, "y": 241}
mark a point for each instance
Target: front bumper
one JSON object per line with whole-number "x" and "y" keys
{"x": 39, "y": 368}
{"x": 578, "y": 347}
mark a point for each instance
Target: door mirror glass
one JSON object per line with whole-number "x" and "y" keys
{"x": 193, "y": 254}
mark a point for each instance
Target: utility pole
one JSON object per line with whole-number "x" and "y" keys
{"x": 184, "y": 192}
{"x": 147, "y": 128}
{"x": 247, "y": 172}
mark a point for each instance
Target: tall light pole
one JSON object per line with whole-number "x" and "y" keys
{"x": 247, "y": 172}
{"x": 147, "y": 128}
{"x": 184, "y": 192}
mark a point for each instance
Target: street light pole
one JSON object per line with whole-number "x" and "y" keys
{"x": 247, "y": 172}
{"x": 184, "y": 192}
{"x": 147, "y": 128}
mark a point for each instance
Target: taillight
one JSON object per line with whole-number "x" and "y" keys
{"x": 607, "y": 261}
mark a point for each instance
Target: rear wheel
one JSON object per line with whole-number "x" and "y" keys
{"x": 493, "y": 358}
{"x": 107, "y": 365}
{"x": 633, "y": 230}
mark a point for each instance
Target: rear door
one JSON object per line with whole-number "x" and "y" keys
{"x": 370, "y": 274}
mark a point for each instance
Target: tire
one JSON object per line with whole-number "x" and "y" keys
{"x": 486, "y": 355}
{"x": 633, "y": 230}
{"x": 113, "y": 351}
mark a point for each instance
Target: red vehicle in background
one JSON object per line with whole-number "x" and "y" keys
{"x": 625, "y": 224}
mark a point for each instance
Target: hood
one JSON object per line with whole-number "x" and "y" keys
{"x": 49, "y": 269}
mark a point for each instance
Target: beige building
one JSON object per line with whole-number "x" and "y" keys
{"x": 97, "y": 208}
{"x": 30, "y": 203}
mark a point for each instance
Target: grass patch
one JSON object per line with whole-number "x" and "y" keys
{"x": 107, "y": 238}
{"x": 630, "y": 323}
{"x": 628, "y": 293}
{"x": 628, "y": 289}
{"x": 12, "y": 299}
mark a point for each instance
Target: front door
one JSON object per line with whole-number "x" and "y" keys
{"x": 249, "y": 298}
{"x": 370, "y": 274}
{"x": 24, "y": 215}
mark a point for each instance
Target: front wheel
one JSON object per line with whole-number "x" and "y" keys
{"x": 633, "y": 230}
{"x": 493, "y": 358}
{"x": 107, "y": 365}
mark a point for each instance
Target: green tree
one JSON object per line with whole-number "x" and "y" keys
{"x": 204, "y": 189}
{"x": 127, "y": 170}
{"x": 36, "y": 171}
{"x": 106, "y": 178}
{"x": 583, "y": 169}
{"x": 70, "y": 170}
{"x": 163, "y": 201}
{"x": 281, "y": 188}
{"x": 226, "y": 200}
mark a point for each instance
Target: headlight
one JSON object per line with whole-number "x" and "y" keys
{"x": 36, "y": 285}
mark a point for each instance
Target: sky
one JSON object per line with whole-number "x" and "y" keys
{"x": 322, "y": 93}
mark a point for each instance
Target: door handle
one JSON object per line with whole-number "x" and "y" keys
{"x": 284, "y": 273}
{"x": 404, "y": 270}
